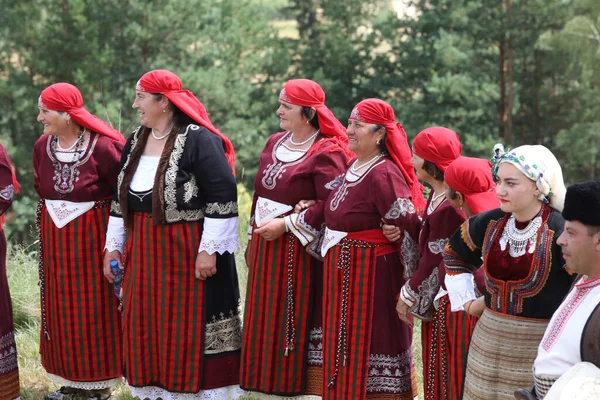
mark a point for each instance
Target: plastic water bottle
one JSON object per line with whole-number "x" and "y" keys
{"x": 118, "y": 273}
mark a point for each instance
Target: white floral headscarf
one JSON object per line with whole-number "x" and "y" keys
{"x": 538, "y": 164}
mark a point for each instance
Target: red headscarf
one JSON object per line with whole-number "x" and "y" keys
{"x": 472, "y": 177}
{"x": 438, "y": 145}
{"x": 168, "y": 84}
{"x": 307, "y": 93}
{"x": 66, "y": 97}
{"x": 375, "y": 111}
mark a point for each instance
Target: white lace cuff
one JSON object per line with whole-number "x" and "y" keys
{"x": 220, "y": 235}
{"x": 115, "y": 235}
{"x": 461, "y": 289}
{"x": 406, "y": 297}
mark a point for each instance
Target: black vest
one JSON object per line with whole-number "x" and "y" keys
{"x": 590, "y": 339}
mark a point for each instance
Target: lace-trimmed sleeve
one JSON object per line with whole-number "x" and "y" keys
{"x": 461, "y": 289}
{"x": 115, "y": 234}
{"x": 220, "y": 235}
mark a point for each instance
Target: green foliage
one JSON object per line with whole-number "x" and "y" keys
{"x": 225, "y": 51}
{"x": 437, "y": 64}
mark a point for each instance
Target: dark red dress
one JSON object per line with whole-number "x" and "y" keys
{"x": 81, "y": 341}
{"x": 9, "y": 371}
{"x": 437, "y": 324}
{"x": 283, "y": 300}
{"x": 367, "y": 350}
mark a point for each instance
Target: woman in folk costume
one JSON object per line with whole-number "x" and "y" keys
{"x": 177, "y": 199}
{"x": 9, "y": 370}
{"x": 283, "y": 335}
{"x": 524, "y": 275}
{"x": 469, "y": 187}
{"x": 433, "y": 151}
{"x": 367, "y": 350}
{"x": 75, "y": 166}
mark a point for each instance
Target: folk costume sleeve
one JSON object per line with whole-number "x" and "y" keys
{"x": 7, "y": 182}
{"x": 213, "y": 176}
{"x": 396, "y": 208}
{"x": 307, "y": 226}
{"x": 420, "y": 291}
{"x": 462, "y": 257}
{"x": 115, "y": 231}
{"x": 268, "y": 146}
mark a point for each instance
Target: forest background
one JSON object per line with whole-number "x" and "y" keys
{"x": 509, "y": 71}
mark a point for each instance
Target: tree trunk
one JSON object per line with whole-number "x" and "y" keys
{"x": 508, "y": 133}
{"x": 502, "y": 102}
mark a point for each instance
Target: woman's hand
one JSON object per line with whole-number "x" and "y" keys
{"x": 108, "y": 257}
{"x": 272, "y": 229}
{"x": 391, "y": 232}
{"x": 475, "y": 307}
{"x": 206, "y": 265}
{"x": 403, "y": 311}
{"x": 303, "y": 205}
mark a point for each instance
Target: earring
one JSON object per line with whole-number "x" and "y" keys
{"x": 307, "y": 121}
{"x": 68, "y": 122}
{"x": 164, "y": 110}
{"x": 378, "y": 141}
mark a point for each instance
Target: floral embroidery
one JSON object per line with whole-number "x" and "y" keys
{"x": 390, "y": 374}
{"x": 339, "y": 196}
{"x": 231, "y": 207}
{"x": 223, "y": 333}
{"x": 273, "y": 172}
{"x": 438, "y": 246}
{"x": 334, "y": 184}
{"x": 190, "y": 189}
{"x": 66, "y": 175}
{"x": 410, "y": 255}
{"x": 8, "y": 192}
{"x": 172, "y": 214}
{"x": 355, "y": 114}
{"x": 276, "y": 169}
{"x": 400, "y": 207}
{"x": 427, "y": 291}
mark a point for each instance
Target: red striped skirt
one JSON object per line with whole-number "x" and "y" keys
{"x": 279, "y": 305}
{"x": 9, "y": 370}
{"x": 367, "y": 349}
{"x": 446, "y": 339}
{"x": 81, "y": 338}
{"x": 172, "y": 337}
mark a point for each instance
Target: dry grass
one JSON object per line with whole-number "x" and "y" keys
{"x": 22, "y": 278}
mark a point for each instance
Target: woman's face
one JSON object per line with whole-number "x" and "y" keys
{"x": 55, "y": 123}
{"x": 362, "y": 141}
{"x": 418, "y": 162}
{"x": 456, "y": 202}
{"x": 151, "y": 111}
{"x": 290, "y": 116}
{"x": 516, "y": 192}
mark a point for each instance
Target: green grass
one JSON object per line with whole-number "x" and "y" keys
{"x": 22, "y": 269}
